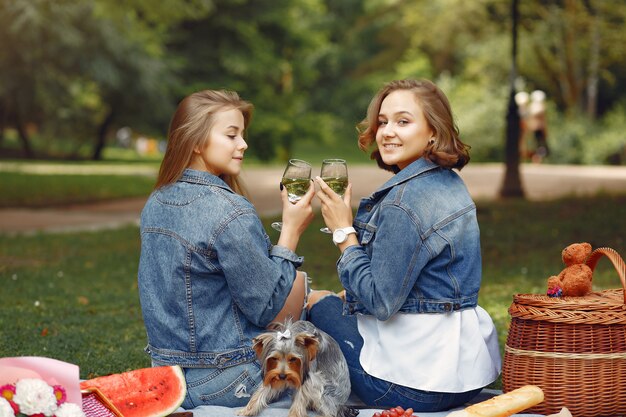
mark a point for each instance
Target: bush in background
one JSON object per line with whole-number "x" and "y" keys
{"x": 582, "y": 141}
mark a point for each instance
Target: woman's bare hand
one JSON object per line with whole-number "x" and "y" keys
{"x": 296, "y": 218}
{"x": 337, "y": 211}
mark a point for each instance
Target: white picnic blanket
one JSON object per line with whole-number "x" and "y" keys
{"x": 281, "y": 408}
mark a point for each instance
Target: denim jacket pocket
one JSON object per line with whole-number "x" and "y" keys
{"x": 366, "y": 232}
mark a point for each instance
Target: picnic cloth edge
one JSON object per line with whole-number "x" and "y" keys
{"x": 281, "y": 408}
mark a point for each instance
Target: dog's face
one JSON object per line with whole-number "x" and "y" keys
{"x": 285, "y": 357}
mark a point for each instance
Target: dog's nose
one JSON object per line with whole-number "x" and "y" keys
{"x": 282, "y": 376}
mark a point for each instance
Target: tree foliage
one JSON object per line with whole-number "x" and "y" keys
{"x": 71, "y": 68}
{"x": 274, "y": 53}
{"x": 570, "y": 50}
{"x": 76, "y": 70}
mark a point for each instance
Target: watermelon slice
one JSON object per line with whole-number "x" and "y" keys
{"x": 148, "y": 392}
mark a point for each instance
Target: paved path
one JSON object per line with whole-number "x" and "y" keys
{"x": 483, "y": 180}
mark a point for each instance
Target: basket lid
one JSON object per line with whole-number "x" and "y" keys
{"x": 600, "y": 307}
{"x": 594, "y": 301}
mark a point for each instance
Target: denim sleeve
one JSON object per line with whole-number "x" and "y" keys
{"x": 382, "y": 284}
{"x": 259, "y": 279}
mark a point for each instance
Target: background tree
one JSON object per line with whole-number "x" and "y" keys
{"x": 364, "y": 42}
{"x": 512, "y": 184}
{"x": 569, "y": 47}
{"x": 74, "y": 71}
{"x": 71, "y": 69}
{"x": 267, "y": 50}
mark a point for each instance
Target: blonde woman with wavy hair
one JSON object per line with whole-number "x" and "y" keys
{"x": 209, "y": 278}
{"x": 409, "y": 323}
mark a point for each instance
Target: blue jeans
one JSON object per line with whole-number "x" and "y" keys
{"x": 226, "y": 387}
{"x": 327, "y": 315}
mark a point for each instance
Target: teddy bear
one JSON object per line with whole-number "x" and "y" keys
{"x": 575, "y": 279}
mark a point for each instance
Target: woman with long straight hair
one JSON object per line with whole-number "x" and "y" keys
{"x": 209, "y": 278}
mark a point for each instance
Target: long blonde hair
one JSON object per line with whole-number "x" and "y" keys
{"x": 447, "y": 150}
{"x": 189, "y": 129}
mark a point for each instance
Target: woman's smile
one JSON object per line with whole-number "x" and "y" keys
{"x": 391, "y": 146}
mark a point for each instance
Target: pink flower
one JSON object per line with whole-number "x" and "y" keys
{"x": 60, "y": 394}
{"x": 35, "y": 398}
{"x": 7, "y": 391}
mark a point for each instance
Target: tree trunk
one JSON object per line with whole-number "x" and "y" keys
{"x": 594, "y": 63}
{"x": 101, "y": 136}
{"x": 512, "y": 184}
{"x": 546, "y": 62}
{"x": 3, "y": 122}
{"x": 23, "y": 134}
{"x": 571, "y": 60}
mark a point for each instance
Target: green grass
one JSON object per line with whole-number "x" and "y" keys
{"x": 33, "y": 190}
{"x": 40, "y": 183}
{"x": 74, "y": 296}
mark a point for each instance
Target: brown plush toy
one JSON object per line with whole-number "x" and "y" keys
{"x": 575, "y": 279}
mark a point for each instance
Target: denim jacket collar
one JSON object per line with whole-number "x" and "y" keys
{"x": 414, "y": 169}
{"x": 204, "y": 178}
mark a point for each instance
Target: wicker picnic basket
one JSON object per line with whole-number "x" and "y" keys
{"x": 574, "y": 348}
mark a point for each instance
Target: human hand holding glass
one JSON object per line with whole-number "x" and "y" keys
{"x": 296, "y": 179}
{"x": 335, "y": 174}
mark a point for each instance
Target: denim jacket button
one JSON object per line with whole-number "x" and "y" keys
{"x": 369, "y": 207}
{"x": 447, "y": 306}
{"x": 457, "y": 306}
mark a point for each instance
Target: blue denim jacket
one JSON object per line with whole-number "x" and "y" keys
{"x": 209, "y": 278}
{"x": 420, "y": 246}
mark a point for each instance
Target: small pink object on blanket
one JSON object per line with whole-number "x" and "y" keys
{"x": 51, "y": 371}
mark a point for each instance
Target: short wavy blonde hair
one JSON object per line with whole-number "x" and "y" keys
{"x": 447, "y": 150}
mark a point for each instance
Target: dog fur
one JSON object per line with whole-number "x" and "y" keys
{"x": 301, "y": 357}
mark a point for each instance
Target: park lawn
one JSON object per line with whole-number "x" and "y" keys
{"x": 33, "y": 190}
{"x": 23, "y": 185}
{"x": 73, "y": 296}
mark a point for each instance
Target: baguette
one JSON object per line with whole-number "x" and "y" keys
{"x": 504, "y": 405}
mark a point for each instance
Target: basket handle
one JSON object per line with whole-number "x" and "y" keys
{"x": 614, "y": 257}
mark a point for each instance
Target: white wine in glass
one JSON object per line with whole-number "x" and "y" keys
{"x": 335, "y": 175}
{"x": 296, "y": 188}
{"x": 297, "y": 180}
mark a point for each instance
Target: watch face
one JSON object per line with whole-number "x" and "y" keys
{"x": 339, "y": 236}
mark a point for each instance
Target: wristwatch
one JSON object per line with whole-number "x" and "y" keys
{"x": 341, "y": 235}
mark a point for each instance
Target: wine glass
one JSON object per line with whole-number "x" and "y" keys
{"x": 335, "y": 175}
{"x": 296, "y": 179}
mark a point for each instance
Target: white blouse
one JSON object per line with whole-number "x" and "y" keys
{"x": 452, "y": 352}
